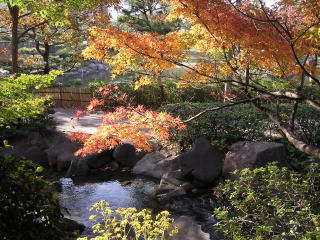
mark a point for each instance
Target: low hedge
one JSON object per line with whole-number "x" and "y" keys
{"x": 237, "y": 123}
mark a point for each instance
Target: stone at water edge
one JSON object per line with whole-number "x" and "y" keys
{"x": 62, "y": 153}
{"x": 78, "y": 167}
{"x": 113, "y": 166}
{"x": 253, "y": 155}
{"x": 31, "y": 147}
{"x": 69, "y": 225}
{"x": 189, "y": 229}
{"x": 99, "y": 160}
{"x": 153, "y": 165}
{"x": 203, "y": 162}
{"x": 125, "y": 154}
{"x": 172, "y": 185}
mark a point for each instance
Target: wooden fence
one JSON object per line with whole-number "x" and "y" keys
{"x": 67, "y": 97}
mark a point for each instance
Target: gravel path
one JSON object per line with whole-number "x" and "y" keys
{"x": 87, "y": 123}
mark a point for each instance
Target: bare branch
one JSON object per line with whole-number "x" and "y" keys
{"x": 218, "y": 108}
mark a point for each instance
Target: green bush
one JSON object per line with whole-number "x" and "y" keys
{"x": 17, "y": 103}
{"x": 271, "y": 203}
{"x": 238, "y": 123}
{"x": 223, "y": 127}
{"x": 28, "y": 210}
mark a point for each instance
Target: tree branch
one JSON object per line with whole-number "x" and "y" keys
{"x": 218, "y": 108}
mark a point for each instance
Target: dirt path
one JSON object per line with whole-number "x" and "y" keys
{"x": 87, "y": 123}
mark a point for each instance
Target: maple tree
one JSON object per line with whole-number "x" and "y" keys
{"x": 126, "y": 123}
{"x": 267, "y": 53}
{"x": 147, "y": 16}
{"x": 56, "y": 13}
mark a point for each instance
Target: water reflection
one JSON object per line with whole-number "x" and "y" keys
{"x": 76, "y": 199}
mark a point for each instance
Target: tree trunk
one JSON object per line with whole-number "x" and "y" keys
{"x": 227, "y": 89}
{"x": 46, "y": 55}
{"x": 14, "y": 12}
{"x": 162, "y": 93}
{"x": 290, "y": 135}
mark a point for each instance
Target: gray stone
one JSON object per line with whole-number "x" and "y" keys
{"x": 37, "y": 155}
{"x": 69, "y": 225}
{"x": 125, "y": 154}
{"x": 113, "y": 166}
{"x": 173, "y": 185}
{"x": 203, "y": 162}
{"x": 99, "y": 160}
{"x": 78, "y": 167}
{"x": 31, "y": 148}
{"x": 140, "y": 155}
{"x": 36, "y": 139}
{"x": 189, "y": 229}
{"x": 252, "y": 155}
{"x": 153, "y": 164}
{"x": 171, "y": 181}
{"x": 62, "y": 153}
{"x": 101, "y": 67}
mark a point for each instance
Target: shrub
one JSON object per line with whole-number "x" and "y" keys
{"x": 224, "y": 127}
{"x": 238, "y": 123}
{"x": 271, "y": 203}
{"x": 130, "y": 224}
{"x": 150, "y": 95}
{"x": 28, "y": 210}
{"x": 16, "y": 103}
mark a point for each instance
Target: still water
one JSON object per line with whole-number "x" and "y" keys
{"x": 77, "y": 198}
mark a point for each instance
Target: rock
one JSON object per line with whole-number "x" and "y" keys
{"x": 101, "y": 67}
{"x": 113, "y": 166}
{"x": 189, "y": 229}
{"x": 252, "y": 155}
{"x": 140, "y": 155}
{"x": 171, "y": 181}
{"x": 78, "y": 167}
{"x": 125, "y": 154}
{"x": 203, "y": 162}
{"x": 177, "y": 192}
{"x": 37, "y": 155}
{"x": 31, "y": 148}
{"x": 35, "y": 139}
{"x": 153, "y": 164}
{"x": 99, "y": 160}
{"x": 172, "y": 185}
{"x": 69, "y": 225}
{"x": 62, "y": 153}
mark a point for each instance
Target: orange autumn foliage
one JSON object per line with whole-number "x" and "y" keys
{"x": 135, "y": 125}
{"x": 217, "y": 28}
{"x": 240, "y": 43}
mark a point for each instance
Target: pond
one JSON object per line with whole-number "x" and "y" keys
{"x": 77, "y": 198}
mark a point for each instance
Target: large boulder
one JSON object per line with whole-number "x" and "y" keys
{"x": 61, "y": 154}
{"x": 69, "y": 225}
{"x": 189, "y": 229}
{"x": 203, "y": 162}
{"x": 99, "y": 160}
{"x": 172, "y": 185}
{"x": 78, "y": 167}
{"x": 252, "y": 155}
{"x": 125, "y": 154}
{"x": 153, "y": 164}
{"x": 31, "y": 147}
